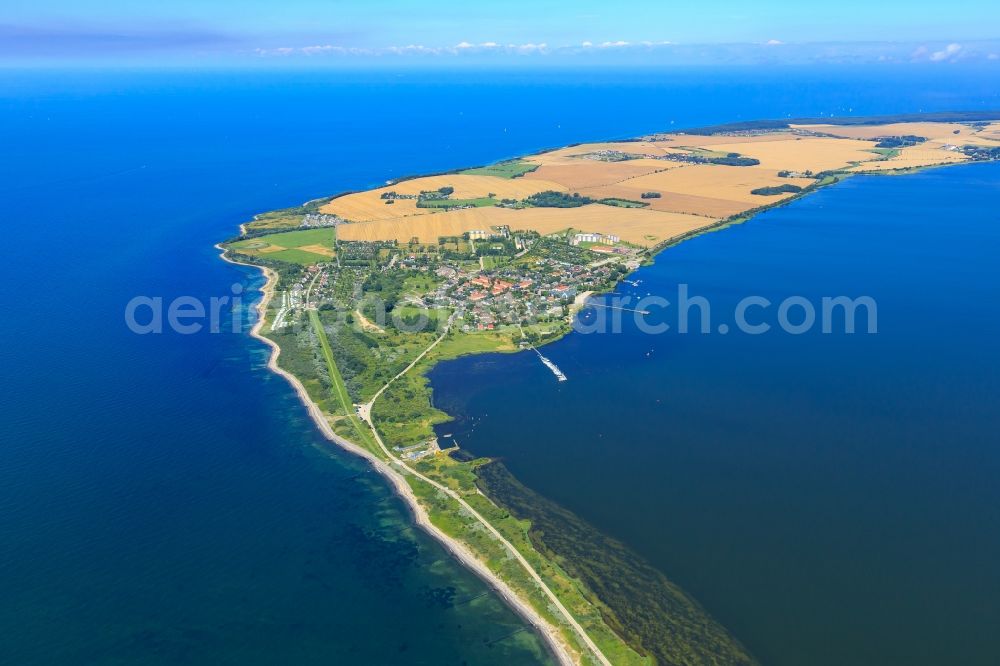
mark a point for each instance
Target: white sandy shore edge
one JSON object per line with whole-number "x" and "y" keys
{"x": 579, "y": 302}
{"x": 553, "y": 640}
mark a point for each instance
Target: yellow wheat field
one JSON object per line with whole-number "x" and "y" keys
{"x": 692, "y": 195}
{"x": 914, "y": 157}
{"x": 641, "y": 226}
{"x": 804, "y": 153}
{"x": 716, "y": 182}
{"x": 987, "y": 136}
{"x": 369, "y": 205}
{"x": 674, "y": 202}
{"x": 991, "y": 132}
{"x": 579, "y": 173}
{"x": 318, "y": 249}
{"x": 571, "y": 154}
{"x": 926, "y": 130}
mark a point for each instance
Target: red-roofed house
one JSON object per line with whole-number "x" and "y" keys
{"x": 500, "y": 286}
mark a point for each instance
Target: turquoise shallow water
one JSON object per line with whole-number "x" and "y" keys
{"x": 163, "y": 499}
{"x": 831, "y": 499}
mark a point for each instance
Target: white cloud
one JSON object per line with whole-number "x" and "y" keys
{"x": 404, "y": 50}
{"x": 947, "y": 53}
{"x": 669, "y": 52}
{"x": 530, "y": 48}
{"x": 318, "y": 49}
{"x": 325, "y": 48}
{"x": 283, "y": 51}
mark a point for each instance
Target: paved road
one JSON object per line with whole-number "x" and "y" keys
{"x": 365, "y": 410}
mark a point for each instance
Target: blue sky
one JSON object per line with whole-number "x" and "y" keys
{"x": 328, "y": 31}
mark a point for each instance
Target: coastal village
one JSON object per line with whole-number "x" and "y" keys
{"x": 543, "y": 279}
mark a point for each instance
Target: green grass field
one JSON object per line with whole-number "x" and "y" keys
{"x": 490, "y": 262}
{"x": 287, "y": 246}
{"x": 622, "y": 203}
{"x": 361, "y": 431}
{"x": 511, "y": 169}
{"x": 420, "y": 283}
{"x": 886, "y": 153}
{"x": 454, "y": 203}
{"x": 434, "y": 316}
{"x": 703, "y": 152}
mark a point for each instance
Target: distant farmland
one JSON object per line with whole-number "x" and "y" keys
{"x": 777, "y": 164}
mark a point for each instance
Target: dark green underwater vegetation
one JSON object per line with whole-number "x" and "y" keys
{"x": 652, "y": 614}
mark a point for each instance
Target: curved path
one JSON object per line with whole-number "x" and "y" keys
{"x": 364, "y": 411}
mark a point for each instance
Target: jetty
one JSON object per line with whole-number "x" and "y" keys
{"x": 616, "y": 307}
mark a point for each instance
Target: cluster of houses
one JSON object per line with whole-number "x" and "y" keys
{"x": 609, "y": 156}
{"x": 518, "y": 292}
{"x": 395, "y": 196}
{"x": 315, "y": 220}
{"x": 515, "y": 294}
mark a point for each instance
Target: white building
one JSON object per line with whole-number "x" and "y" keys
{"x": 608, "y": 239}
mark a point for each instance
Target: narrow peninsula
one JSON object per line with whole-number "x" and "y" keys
{"x": 366, "y": 291}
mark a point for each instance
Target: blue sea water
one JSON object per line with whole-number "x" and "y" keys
{"x": 830, "y": 498}
{"x": 164, "y": 498}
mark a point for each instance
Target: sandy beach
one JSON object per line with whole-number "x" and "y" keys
{"x": 553, "y": 640}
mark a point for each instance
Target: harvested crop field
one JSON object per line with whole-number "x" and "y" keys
{"x": 691, "y": 196}
{"x": 572, "y": 154}
{"x": 369, "y": 205}
{"x": 990, "y": 133}
{"x": 318, "y": 249}
{"x": 636, "y": 225}
{"x": 926, "y": 130}
{"x": 914, "y": 157}
{"x": 715, "y": 182}
{"x": 986, "y": 136}
{"x": 804, "y": 153}
{"x": 580, "y": 173}
{"x": 674, "y": 202}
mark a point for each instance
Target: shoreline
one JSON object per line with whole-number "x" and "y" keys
{"x": 556, "y": 644}
{"x": 549, "y": 634}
